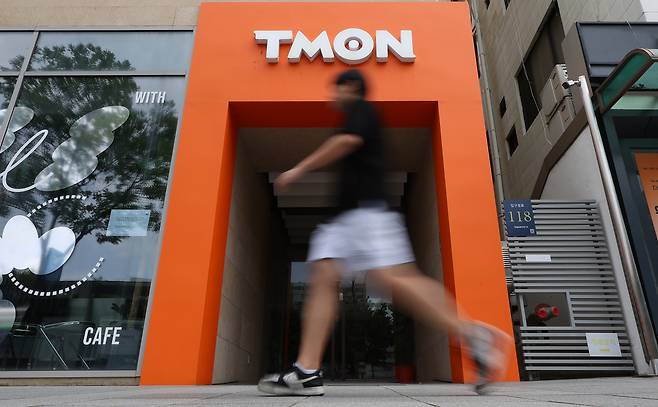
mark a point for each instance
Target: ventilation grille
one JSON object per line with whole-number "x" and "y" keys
{"x": 572, "y": 234}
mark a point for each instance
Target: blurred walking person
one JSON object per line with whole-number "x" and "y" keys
{"x": 367, "y": 236}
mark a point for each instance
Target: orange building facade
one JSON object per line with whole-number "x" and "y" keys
{"x": 141, "y": 238}
{"x": 232, "y": 86}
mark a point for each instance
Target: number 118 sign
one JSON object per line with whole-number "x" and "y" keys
{"x": 519, "y": 218}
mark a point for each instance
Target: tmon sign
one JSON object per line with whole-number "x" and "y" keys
{"x": 352, "y": 45}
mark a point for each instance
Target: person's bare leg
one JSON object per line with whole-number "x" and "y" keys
{"x": 420, "y": 296}
{"x": 426, "y": 300}
{"x": 319, "y": 314}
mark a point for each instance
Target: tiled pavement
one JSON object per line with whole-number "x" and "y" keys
{"x": 626, "y": 391}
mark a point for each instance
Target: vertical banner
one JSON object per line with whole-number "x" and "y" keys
{"x": 647, "y": 166}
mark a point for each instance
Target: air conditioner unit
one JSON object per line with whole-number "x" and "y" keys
{"x": 562, "y": 118}
{"x": 557, "y": 102}
{"x": 553, "y": 93}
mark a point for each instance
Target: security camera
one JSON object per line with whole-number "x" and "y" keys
{"x": 569, "y": 83}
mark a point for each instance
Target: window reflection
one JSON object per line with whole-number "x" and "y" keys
{"x": 106, "y": 143}
{"x": 112, "y": 51}
{"x": 6, "y": 89}
{"x": 13, "y": 47}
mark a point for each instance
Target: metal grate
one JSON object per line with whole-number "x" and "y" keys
{"x": 571, "y": 233}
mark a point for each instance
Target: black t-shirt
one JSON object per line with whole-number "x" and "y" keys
{"x": 361, "y": 176}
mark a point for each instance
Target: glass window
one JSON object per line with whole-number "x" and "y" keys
{"x": 6, "y": 89}
{"x": 647, "y": 166}
{"x": 538, "y": 65}
{"x": 512, "y": 142}
{"x": 13, "y": 47}
{"x": 81, "y": 207}
{"x": 529, "y": 99}
{"x": 113, "y": 51}
{"x": 502, "y": 107}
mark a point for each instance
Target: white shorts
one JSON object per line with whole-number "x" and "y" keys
{"x": 364, "y": 239}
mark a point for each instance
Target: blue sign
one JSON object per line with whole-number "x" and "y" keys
{"x": 519, "y": 218}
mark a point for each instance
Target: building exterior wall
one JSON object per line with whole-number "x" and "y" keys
{"x": 508, "y": 35}
{"x": 580, "y": 159}
{"x": 30, "y": 13}
{"x": 465, "y": 199}
{"x": 461, "y": 173}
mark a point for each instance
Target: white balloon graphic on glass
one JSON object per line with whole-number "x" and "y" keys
{"x": 21, "y": 117}
{"x": 75, "y": 159}
{"x": 21, "y": 247}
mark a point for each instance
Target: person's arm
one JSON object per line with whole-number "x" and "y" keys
{"x": 332, "y": 150}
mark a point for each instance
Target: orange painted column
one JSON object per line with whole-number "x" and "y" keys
{"x": 184, "y": 312}
{"x": 192, "y": 259}
{"x": 470, "y": 244}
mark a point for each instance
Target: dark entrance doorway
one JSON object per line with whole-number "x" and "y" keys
{"x": 266, "y": 275}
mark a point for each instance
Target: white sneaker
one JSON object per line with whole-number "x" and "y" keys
{"x": 293, "y": 382}
{"x": 489, "y": 348}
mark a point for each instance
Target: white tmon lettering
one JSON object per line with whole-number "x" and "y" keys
{"x": 352, "y": 45}
{"x": 320, "y": 44}
{"x": 102, "y": 335}
{"x": 272, "y": 39}
{"x": 150, "y": 97}
{"x": 403, "y": 49}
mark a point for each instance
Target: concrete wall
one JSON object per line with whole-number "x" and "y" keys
{"x": 432, "y": 352}
{"x": 576, "y": 175}
{"x": 30, "y": 13}
{"x": 508, "y": 35}
{"x": 238, "y": 356}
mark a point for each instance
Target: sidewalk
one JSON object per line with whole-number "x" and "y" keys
{"x": 590, "y": 392}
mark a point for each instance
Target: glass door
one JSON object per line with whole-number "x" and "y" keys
{"x": 646, "y": 163}
{"x": 363, "y": 344}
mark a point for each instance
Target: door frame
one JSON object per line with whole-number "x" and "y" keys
{"x": 634, "y": 206}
